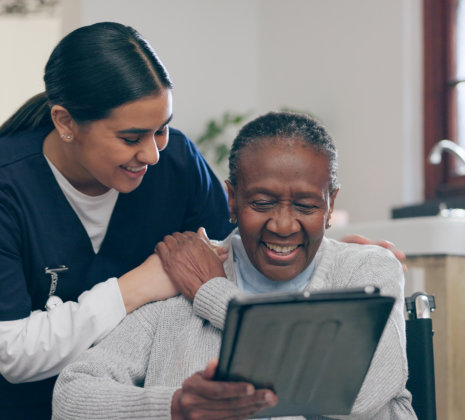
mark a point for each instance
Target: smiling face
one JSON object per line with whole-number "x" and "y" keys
{"x": 282, "y": 205}
{"x": 114, "y": 152}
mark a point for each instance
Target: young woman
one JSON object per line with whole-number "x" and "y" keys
{"x": 282, "y": 187}
{"x": 85, "y": 195}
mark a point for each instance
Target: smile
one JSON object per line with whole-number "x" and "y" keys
{"x": 134, "y": 169}
{"x": 283, "y": 250}
{"x": 134, "y": 172}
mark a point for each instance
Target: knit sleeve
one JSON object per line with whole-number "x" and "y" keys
{"x": 211, "y": 300}
{"x": 107, "y": 381}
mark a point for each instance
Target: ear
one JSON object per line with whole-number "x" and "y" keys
{"x": 64, "y": 123}
{"x": 231, "y": 201}
{"x": 332, "y": 197}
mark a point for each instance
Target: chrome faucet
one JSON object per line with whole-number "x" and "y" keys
{"x": 435, "y": 156}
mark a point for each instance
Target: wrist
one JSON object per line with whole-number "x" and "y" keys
{"x": 128, "y": 284}
{"x": 176, "y": 406}
{"x": 146, "y": 283}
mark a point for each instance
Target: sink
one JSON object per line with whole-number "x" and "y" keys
{"x": 428, "y": 208}
{"x": 416, "y": 236}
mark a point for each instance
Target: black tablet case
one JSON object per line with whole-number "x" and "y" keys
{"x": 312, "y": 350}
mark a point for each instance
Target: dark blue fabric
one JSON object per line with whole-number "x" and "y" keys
{"x": 39, "y": 229}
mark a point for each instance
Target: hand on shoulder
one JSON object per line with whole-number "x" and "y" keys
{"x": 362, "y": 240}
{"x": 190, "y": 260}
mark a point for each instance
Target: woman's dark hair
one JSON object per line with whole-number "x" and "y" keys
{"x": 91, "y": 71}
{"x": 284, "y": 127}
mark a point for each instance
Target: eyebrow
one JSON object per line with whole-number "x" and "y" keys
{"x": 134, "y": 130}
{"x": 297, "y": 195}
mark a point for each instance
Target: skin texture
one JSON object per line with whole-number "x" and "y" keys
{"x": 97, "y": 156}
{"x": 191, "y": 260}
{"x": 202, "y": 398}
{"x": 281, "y": 199}
{"x": 146, "y": 283}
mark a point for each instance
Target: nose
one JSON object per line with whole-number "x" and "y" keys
{"x": 283, "y": 222}
{"x": 148, "y": 152}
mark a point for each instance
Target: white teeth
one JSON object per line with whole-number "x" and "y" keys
{"x": 130, "y": 169}
{"x": 281, "y": 249}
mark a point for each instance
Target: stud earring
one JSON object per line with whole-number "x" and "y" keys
{"x": 66, "y": 137}
{"x": 232, "y": 220}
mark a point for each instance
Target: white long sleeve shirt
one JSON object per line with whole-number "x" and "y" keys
{"x": 39, "y": 346}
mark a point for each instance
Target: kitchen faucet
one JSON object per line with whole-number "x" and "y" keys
{"x": 435, "y": 156}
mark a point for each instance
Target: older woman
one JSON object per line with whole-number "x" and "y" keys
{"x": 282, "y": 188}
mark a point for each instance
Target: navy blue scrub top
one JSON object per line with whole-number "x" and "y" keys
{"x": 39, "y": 229}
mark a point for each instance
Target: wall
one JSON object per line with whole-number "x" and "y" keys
{"x": 356, "y": 65}
{"x": 25, "y": 44}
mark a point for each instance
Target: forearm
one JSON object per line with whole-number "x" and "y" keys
{"x": 39, "y": 346}
{"x": 107, "y": 381}
{"x": 106, "y": 398}
{"x": 146, "y": 283}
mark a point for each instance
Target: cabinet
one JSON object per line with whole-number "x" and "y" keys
{"x": 435, "y": 249}
{"x": 444, "y": 277}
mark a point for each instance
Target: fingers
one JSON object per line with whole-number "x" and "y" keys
{"x": 397, "y": 252}
{"x": 190, "y": 261}
{"x": 356, "y": 239}
{"x": 161, "y": 249}
{"x": 210, "y": 369}
{"x": 216, "y": 390}
{"x": 362, "y": 240}
{"x": 193, "y": 407}
{"x": 203, "y": 398}
{"x": 203, "y": 233}
{"x": 389, "y": 245}
{"x": 220, "y": 251}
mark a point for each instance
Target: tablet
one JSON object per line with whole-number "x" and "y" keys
{"x": 312, "y": 349}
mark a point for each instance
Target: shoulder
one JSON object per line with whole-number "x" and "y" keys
{"x": 152, "y": 314}
{"x": 178, "y": 136}
{"x": 21, "y": 146}
{"x": 179, "y": 142}
{"x": 180, "y": 155}
{"x": 353, "y": 265}
{"x": 354, "y": 253}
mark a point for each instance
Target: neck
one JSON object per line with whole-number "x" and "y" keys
{"x": 61, "y": 155}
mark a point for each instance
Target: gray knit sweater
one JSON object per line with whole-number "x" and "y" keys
{"x": 134, "y": 371}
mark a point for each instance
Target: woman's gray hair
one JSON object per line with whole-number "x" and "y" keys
{"x": 285, "y": 126}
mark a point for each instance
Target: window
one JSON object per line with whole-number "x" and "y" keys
{"x": 444, "y": 86}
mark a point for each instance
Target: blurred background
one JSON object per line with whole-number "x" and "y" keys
{"x": 355, "y": 65}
